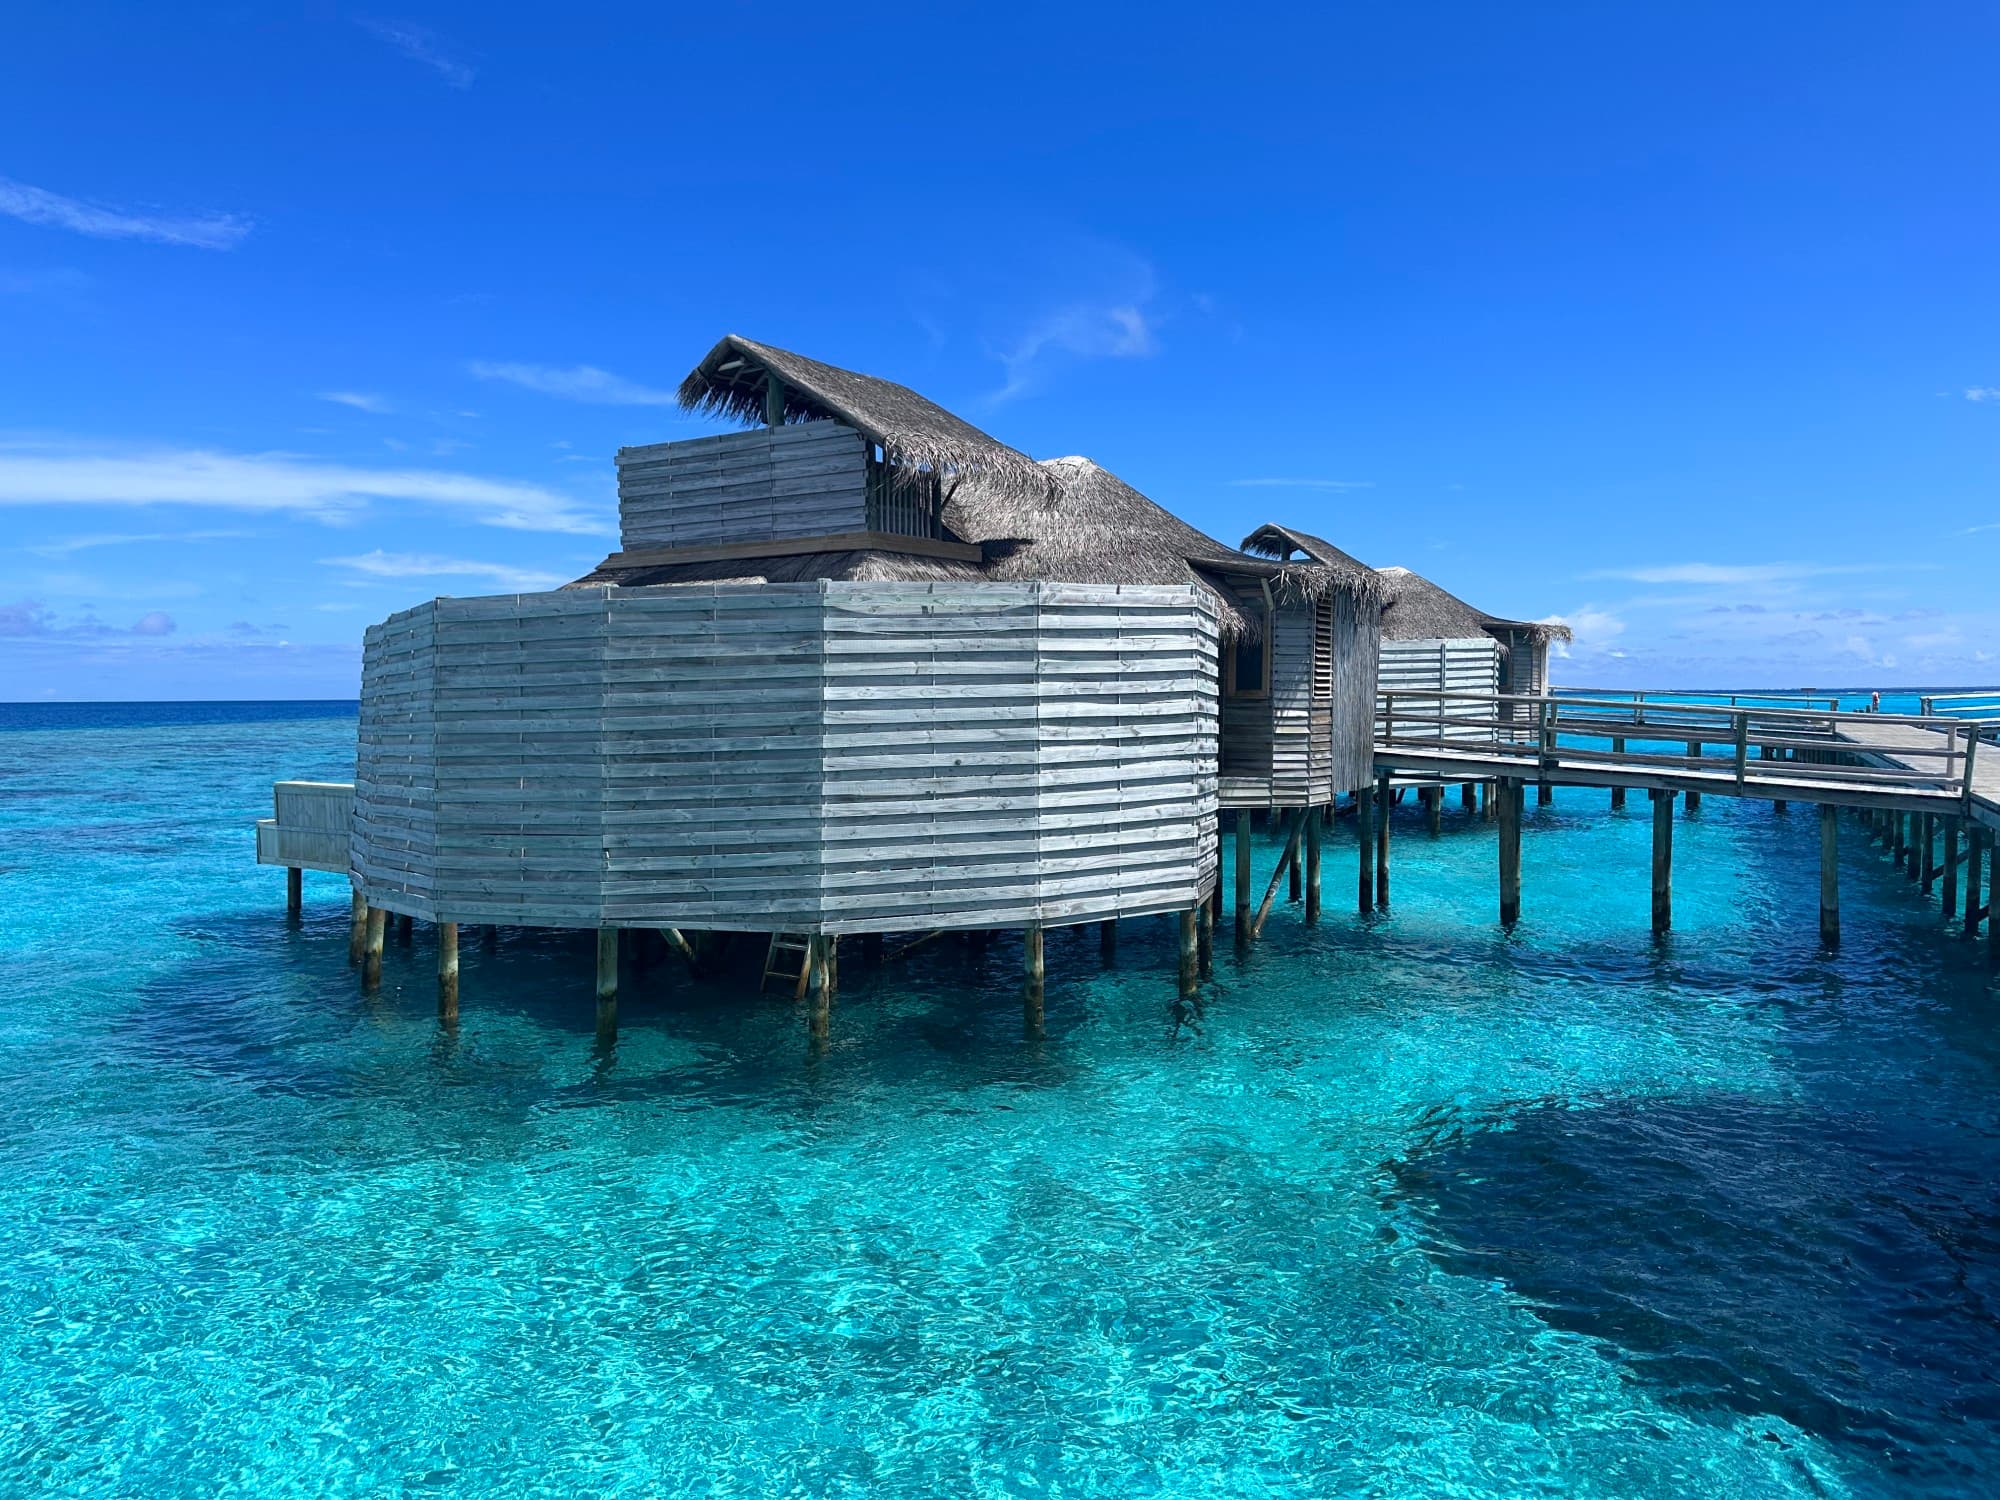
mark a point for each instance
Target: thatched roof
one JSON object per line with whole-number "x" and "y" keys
{"x": 1419, "y": 610}
{"x": 915, "y": 432}
{"x": 1273, "y": 540}
{"x": 1101, "y": 530}
{"x": 803, "y": 567}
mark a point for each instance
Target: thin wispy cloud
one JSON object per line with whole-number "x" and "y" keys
{"x": 31, "y": 620}
{"x": 274, "y": 483}
{"x": 366, "y": 401}
{"x": 69, "y": 546}
{"x": 33, "y": 205}
{"x": 380, "y": 564}
{"x": 1082, "y": 330}
{"x": 1734, "y": 573}
{"x": 574, "y": 383}
{"x": 1982, "y": 393}
{"x": 1304, "y": 484}
{"x": 1073, "y": 299}
{"x": 421, "y": 46}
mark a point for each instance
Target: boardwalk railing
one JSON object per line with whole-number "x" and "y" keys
{"x": 1985, "y": 706}
{"x": 1544, "y": 737}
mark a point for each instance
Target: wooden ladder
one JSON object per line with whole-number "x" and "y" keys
{"x": 782, "y": 943}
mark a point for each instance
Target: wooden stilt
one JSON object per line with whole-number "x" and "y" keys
{"x": 1975, "y": 849}
{"x": 1899, "y": 841}
{"x": 357, "y": 927}
{"x": 406, "y": 926}
{"x": 1468, "y": 797}
{"x": 1382, "y": 805}
{"x": 1544, "y": 794}
{"x": 607, "y": 982}
{"x": 1663, "y": 861}
{"x": 371, "y": 951}
{"x": 677, "y": 940}
{"x": 829, "y": 967}
{"x": 1510, "y": 852}
{"x": 1434, "y": 808}
{"x": 1617, "y": 792}
{"x": 1205, "y": 939}
{"x": 1923, "y": 866}
{"x": 295, "y": 890}
{"x": 1364, "y": 835}
{"x": 1297, "y": 884}
{"x": 1949, "y": 866}
{"x": 1829, "y": 875}
{"x": 819, "y": 990}
{"x": 1031, "y": 1000}
{"x": 448, "y": 972}
{"x": 1312, "y": 864}
{"x": 1190, "y": 978}
{"x": 1290, "y": 854}
{"x": 1242, "y": 870}
{"x": 1107, "y": 939}
{"x": 1486, "y": 802}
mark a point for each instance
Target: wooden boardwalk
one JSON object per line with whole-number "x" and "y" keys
{"x": 1891, "y": 740}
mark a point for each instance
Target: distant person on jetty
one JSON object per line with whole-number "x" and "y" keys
{"x": 1874, "y": 703}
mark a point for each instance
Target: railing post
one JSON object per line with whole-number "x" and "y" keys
{"x": 1742, "y": 743}
{"x": 1971, "y": 744}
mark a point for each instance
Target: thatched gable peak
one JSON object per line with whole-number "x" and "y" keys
{"x": 732, "y": 380}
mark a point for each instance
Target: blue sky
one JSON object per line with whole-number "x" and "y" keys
{"x": 1676, "y": 322}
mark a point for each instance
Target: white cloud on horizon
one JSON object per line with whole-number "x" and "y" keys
{"x": 380, "y": 564}
{"x": 33, "y": 205}
{"x": 421, "y": 46}
{"x": 274, "y": 483}
{"x": 573, "y": 383}
{"x": 65, "y": 546}
{"x": 1733, "y": 573}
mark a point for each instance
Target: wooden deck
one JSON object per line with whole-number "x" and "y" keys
{"x": 1892, "y": 763}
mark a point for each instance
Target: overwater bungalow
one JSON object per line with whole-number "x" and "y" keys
{"x": 862, "y": 668}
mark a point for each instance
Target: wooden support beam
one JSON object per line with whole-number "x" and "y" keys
{"x": 406, "y": 926}
{"x": 1107, "y": 939}
{"x": 371, "y": 949}
{"x": 1975, "y": 848}
{"x": 1297, "y": 821}
{"x": 774, "y": 401}
{"x": 1949, "y": 885}
{"x": 1829, "y": 875}
{"x": 1383, "y": 802}
{"x": 819, "y": 990}
{"x": 1617, "y": 792}
{"x": 448, "y": 972}
{"x": 1243, "y": 847}
{"x": 1927, "y": 873}
{"x": 1899, "y": 842}
{"x": 1364, "y": 835}
{"x": 1031, "y": 995}
{"x": 607, "y": 982}
{"x": 677, "y": 941}
{"x": 295, "y": 891}
{"x": 1468, "y": 796}
{"x": 1663, "y": 861}
{"x": 1205, "y": 939}
{"x": 1190, "y": 975}
{"x": 1505, "y": 793}
{"x": 1545, "y": 794}
{"x": 1312, "y": 863}
{"x": 357, "y": 927}
{"x": 1434, "y": 808}
{"x": 1296, "y": 886}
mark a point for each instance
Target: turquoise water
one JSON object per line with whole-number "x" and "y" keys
{"x": 1412, "y": 1209}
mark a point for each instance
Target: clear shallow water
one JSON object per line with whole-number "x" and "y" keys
{"x": 1419, "y": 1210}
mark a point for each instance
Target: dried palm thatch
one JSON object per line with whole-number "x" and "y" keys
{"x": 1419, "y": 610}
{"x": 1104, "y": 531}
{"x": 805, "y": 567}
{"x": 1273, "y": 540}
{"x": 916, "y": 434}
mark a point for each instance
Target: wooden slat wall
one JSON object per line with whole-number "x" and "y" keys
{"x": 1459, "y": 666}
{"x": 1355, "y": 634}
{"x": 312, "y": 826}
{"x": 768, "y": 483}
{"x": 395, "y": 777}
{"x": 1291, "y": 706}
{"x": 802, "y": 757}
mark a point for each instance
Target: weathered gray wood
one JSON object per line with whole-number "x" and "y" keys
{"x": 607, "y": 982}
{"x": 1243, "y": 834}
{"x": 295, "y": 892}
{"x": 1364, "y": 836}
{"x": 1312, "y": 826}
{"x": 1190, "y": 954}
{"x": 1296, "y": 819}
{"x": 1975, "y": 849}
{"x": 1205, "y": 938}
{"x": 357, "y": 927}
{"x": 1032, "y": 1020}
{"x": 1829, "y": 876}
{"x": 1663, "y": 861}
{"x": 1383, "y": 802}
{"x": 1927, "y": 865}
{"x": 1434, "y": 809}
{"x": 371, "y": 953}
{"x": 1506, "y": 793}
{"x": 806, "y": 479}
{"x": 447, "y": 939}
{"x": 1948, "y": 887}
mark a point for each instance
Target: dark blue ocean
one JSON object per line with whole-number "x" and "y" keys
{"x": 1411, "y": 1209}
